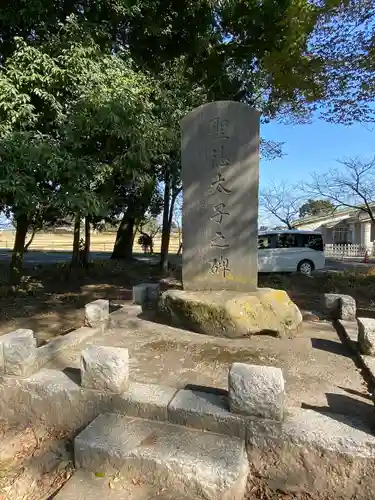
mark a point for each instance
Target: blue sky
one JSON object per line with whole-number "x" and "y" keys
{"x": 312, "y": 148}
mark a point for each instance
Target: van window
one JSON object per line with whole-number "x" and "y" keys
{"x": 315, "y": 242}
{"x": 264, "y": 242}
{"x": 286, "y": 240}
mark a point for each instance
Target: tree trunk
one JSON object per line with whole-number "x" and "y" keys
{"x": 123, "y": 248}
{"x": 169, "y": 202}
{"x": 179, "y": 249}
{"x": 86, "y": 253}
{"x": 76, "y": 239}
{"x": 166, "y": 230}
{"x": 22, "y": 225}
{"x": 27, "y": 246}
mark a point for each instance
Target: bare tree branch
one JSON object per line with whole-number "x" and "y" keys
{"x": 351, "y": 186}
{"x": 282, "y": 201}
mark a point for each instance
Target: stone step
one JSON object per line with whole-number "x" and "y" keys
{"x": 84, "y": 485}
{"x": 204, "y": 465}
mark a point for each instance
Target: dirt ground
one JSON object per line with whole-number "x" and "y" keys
{"x": 34, "y": 463}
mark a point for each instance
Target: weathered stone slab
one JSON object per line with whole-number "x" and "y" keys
{"x": 97, "y": 313}
{"x": 339, "y": 306}
{"x": 59, "y": 344}
{"x": 105, "y": 369}
{"x": 205, "y": 411}
{"x": 220, "y": 171}
{"x": 231, "y": 314}
{"x": 257, "y": 391}
{"x": 202, "y": 464}
{"x": 18, "y": 353}
{"x": 52, "y": 398}
{"x": 144, "y": 400}
{"x": 366, "y": 336}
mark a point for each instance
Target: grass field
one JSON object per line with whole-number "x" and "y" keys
{"x": 100, "y": 242}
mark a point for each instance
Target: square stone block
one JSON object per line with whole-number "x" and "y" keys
{"x": 257, "y": 391}
{"x": 18, "y": 353}
{"x": 366, "y": 336}
{"x": 105, "y": 369}
{"x": 97, "y": 313}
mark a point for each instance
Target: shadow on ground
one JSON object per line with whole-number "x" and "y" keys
{"x": 51, "y": 297}
{"x": 357, "y": 413}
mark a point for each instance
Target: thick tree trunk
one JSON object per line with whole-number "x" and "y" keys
{"x": 86, "y": 254}
{"x": 22, "y": 225}
{"x": 76, "y": 239}
{"x": 27, "y": 246}
{"x": 123, "y": 248}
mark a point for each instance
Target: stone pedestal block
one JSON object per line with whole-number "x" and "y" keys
{"x": 231, "y": 314}
{"x": 366, "y": 336}
{"x": 257, "y": 391}
{"x": 97, "y": 313}
{"x": 338, "y": 306}
{"x": 18, "y": 353}
{"x": 105, "y": 369}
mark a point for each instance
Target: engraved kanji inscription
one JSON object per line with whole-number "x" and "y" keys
{"x": 219, "y": 266}
{"x": 219, "y": 157}
{"x": 219, "y": 129}
{"x": 219, "y": 213}
{"x": 218, "y": 184}
{"x": 219, "y": 240}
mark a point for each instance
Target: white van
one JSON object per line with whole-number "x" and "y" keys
{"x": 290, "y": 251}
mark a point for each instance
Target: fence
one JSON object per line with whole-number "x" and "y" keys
{"x": 344, "y": 251}
{"x": 100, "y": 242}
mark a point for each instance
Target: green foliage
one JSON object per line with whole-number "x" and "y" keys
{"x": 316, "y": 207}
{"x": 66, "y": 122}
{"x": 344, "y": 42}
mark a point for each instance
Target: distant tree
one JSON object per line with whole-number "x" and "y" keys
{"x": 282, "y": 201}
{"x": 351, "y": 186}
{"x": 316, "y": 207}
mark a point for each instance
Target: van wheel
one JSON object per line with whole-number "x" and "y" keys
{"x": 305, "y": 267}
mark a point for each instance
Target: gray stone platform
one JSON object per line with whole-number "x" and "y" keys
{"x": 207, "y": 465}
{"x": 85, "y": 485}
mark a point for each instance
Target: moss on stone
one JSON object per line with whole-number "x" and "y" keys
{"x": 232, "y": 314}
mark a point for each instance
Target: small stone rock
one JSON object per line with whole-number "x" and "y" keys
{"x": 256, "y": 391}
{"x": 331, "y": 304}
{"x": 105, "y": 369}
{"x": 366, "y": 336}
{"x": 348, "y": 308}
{"x": 19, "y": 353}
{"x": 97, "y": 313}
{"x": 339, "y": 306}
{"x": 145, "y": 292}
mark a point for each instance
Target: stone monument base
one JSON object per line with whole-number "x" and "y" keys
{"x": 230, "y": 314}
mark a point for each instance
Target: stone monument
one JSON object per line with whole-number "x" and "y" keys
{"x": 220, "y": 173}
